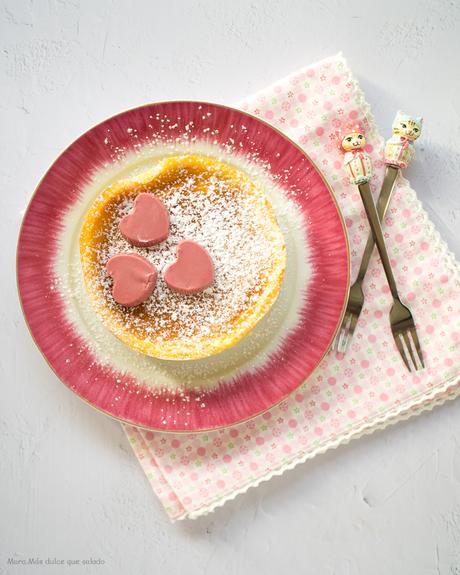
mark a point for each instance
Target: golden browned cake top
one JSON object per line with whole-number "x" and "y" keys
{"x": 215, "y": 205}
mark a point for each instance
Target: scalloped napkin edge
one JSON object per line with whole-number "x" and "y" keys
{"x": 367, "y": 390}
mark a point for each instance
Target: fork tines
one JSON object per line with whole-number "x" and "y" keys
{"x": 345, "y": 332}
{"x": 409, "y": 348}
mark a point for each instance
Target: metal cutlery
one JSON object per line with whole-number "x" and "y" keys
{"x": 398, "y": 152}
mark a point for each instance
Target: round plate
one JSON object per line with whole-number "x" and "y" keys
{"x": 242, "y": 388}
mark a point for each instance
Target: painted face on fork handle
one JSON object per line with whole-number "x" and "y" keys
{"x": 353, "y": 141}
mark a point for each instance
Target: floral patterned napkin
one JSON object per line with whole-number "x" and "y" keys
{"x": 367, "y": 389}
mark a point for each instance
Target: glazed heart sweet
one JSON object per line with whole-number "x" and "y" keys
{"x": 134, "y": 278}
{"x": 192, "y": 272}
{"x": 148, "y": 222}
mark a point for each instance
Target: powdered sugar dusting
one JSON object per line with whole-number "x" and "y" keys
{"x": 232, "y": 220}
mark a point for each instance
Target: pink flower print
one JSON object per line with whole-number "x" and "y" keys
{"x": 270, "y": 457}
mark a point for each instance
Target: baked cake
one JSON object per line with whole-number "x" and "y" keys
{"x": 201, "y": 277}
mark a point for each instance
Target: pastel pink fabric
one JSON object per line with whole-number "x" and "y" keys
{"x": 347, "y": 397}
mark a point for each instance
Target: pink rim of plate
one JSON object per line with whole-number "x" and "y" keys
{"x": 232, "y": 401}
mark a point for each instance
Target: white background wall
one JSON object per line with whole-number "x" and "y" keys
{"x": 69, "y": 486}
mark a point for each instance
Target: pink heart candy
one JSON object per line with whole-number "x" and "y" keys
{"x": 134, "y": 278}
{"x": 193, "y": 271}
{"x": 148, "y": 222}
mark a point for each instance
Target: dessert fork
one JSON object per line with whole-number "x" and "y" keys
{"x": 401, "y": 319}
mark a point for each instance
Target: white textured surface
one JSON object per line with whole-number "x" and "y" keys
{"x": 70, "y": 487}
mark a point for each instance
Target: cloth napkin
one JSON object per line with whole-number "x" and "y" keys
{"x": 367, "y": 389}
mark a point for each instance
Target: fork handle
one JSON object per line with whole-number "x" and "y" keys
{"x": 374, "y": 222}
{"x": 382, "y": 204}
